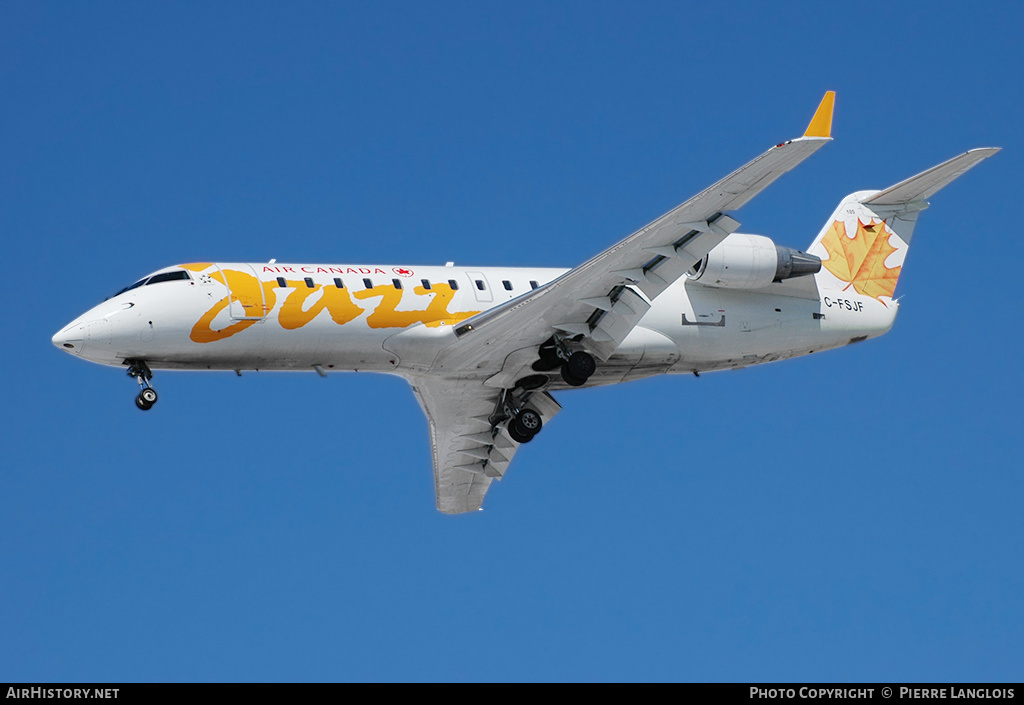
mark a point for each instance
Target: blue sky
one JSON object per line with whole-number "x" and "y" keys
{"x": 853, "y": 515}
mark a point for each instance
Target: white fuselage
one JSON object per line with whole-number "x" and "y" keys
{"x": 233, "y": 316}
{"x": 483, "y": 346}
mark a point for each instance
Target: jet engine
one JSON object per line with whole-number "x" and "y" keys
{"x": 743, "y": 261}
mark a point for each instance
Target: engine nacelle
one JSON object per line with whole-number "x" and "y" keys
{"x": 744, "y": 261}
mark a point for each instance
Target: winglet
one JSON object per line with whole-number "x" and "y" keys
{"x": 821, "y": 123}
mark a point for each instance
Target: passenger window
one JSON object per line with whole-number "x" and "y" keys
{"x": 338, "y": 283}
{"x": 508, "y": 285}
{"x": 397, "y": 283}
{"x": 282, "y": 283}
{"x": 453, "y": 284}
{"x": 480, "y": 284}
{"x": 425, "y": 283}
{"x": 367, "y": 283}
{"x": 309, "y": 282}
{"x": 533, "y": 284}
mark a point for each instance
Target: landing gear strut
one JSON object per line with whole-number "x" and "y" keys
{"x": 147, "y": 395}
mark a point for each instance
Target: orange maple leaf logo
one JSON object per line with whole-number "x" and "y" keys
{"x": 860, "y": 260}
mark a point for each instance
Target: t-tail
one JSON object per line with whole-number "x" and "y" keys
{"x": 864, "y": 244}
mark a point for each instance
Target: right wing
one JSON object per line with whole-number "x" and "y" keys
{"x": 599, "y": 302}
{"x": 596, "y": 304}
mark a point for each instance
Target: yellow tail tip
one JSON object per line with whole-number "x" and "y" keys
{"x": 821, "y": 123}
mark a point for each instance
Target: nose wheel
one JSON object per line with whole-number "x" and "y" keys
{"x": 146, "y": 399}
{"x": 147, "y": 395}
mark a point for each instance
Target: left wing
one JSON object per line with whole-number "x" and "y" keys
{"x": 469, "y": 449}
{"x": 600, "y": 301}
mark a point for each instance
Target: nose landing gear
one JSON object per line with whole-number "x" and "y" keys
{"x": 147, "y": 395}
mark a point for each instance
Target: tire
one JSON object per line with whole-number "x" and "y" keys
{"x": 148, "y": 395}
{"x": 528, "y": 422}
{"x": 142, "y": 403}
{"x": 549, "y": 359}
{"x": 570, "y": 379}
{"x": 516, "y": 435}
{"x": 581, "y": 365}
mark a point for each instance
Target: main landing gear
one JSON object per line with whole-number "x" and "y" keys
{"x": 576, "y": 365}
{"x": 524, "y": 426}
{"x": 523, "y": 423}
{"x": 578, "y": 368}
{"x": 147, "y": 395}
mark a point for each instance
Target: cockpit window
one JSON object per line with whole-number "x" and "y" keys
{"x": 136, "y": 285}
{"x": 168, "y": 277}
{"x": 157, "y": 279}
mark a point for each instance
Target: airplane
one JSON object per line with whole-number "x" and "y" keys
{"x": 485, "y": 347}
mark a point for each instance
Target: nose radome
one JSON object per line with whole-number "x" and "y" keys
{"x": 71, "y": 338}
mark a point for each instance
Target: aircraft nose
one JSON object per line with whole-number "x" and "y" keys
{"x": 70, "y": 338}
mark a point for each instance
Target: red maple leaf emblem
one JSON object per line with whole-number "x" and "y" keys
{"x": 402, "y": 271}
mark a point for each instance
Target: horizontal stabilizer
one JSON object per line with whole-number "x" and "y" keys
{"x": 927, "y": 183}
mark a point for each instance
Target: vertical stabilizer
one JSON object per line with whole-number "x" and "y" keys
{"x": 865, "y": 242}
{"x": 863, "y": 250}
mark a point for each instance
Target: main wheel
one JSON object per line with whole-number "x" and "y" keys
{"x": 148, "y": 395}
{"x": 571, "y": 379}
{"x": 581, "y": 365}
{"x": 142, "y": 403}
{"x": 549, "y": 359}
{"x": 528, "y": 422}
{"x": 516, "y": 435}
